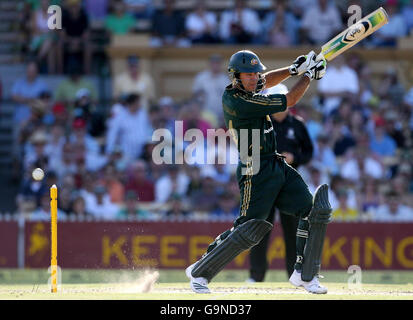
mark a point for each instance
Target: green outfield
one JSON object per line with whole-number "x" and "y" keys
{"x": 173, "y": 285}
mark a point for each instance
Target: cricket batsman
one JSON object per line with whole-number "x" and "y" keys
{"x": 275, "y": 184}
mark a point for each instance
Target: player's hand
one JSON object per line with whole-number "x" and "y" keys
{"x": 301, "y": 64}
{"x": 317, "y": 69}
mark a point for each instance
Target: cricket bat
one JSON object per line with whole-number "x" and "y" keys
{"x": 354, "y": 34}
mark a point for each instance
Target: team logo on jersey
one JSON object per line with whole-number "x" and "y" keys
{"x": 254, "y": 62}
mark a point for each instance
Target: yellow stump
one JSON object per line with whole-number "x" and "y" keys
{"x": 53, "y": 213}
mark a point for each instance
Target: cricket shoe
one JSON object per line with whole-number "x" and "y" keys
{"x": 312, "y": 286}
{"x": 198, "y": 285}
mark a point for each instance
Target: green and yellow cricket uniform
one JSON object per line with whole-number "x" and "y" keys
{"x": 276, "y": 184}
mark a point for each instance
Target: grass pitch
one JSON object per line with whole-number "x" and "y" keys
{"x": 173, "y": 285}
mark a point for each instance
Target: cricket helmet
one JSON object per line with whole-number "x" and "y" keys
{"x": 248, "y": 62}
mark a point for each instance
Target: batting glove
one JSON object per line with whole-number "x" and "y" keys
{"x": 317, "y": 70}
{"x": 302, "y": 63}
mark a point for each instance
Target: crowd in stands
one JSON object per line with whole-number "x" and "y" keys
{"x": 278, "y": 23}
{"x": 103, "y": 164}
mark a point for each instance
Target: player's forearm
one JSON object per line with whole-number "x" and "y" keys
{"x": 274, "y": 77}
{"x": 297, "y": 92}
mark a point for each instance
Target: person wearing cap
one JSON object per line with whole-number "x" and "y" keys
{"x": 211, "y": 83}
{"x": 266, "y": 180}
{"x": 134, "y": 80}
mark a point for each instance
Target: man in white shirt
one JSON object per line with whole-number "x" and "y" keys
{"x": 321, "y": 22}
{"x": 174, "y": 182}
{"x": 241, "y": 25}
{"x": 130, "y": 129}
{"x": 201, "y": 25}
{"x": 134, "y": 80}
{"x": 340, "y": 81}
{"x": 100, "y": 206}
{"x": 392, "y": 210}
{"x": 212, "y": 82}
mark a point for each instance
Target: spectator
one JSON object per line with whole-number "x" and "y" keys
{"x": 66, "y": 164}
{"x": 130, "y": 129}
{"x": 394, "y": 129}
{"x": 212, "y": 82}
{"x": 173, "y": 182}
{"x": 396, "y": 27}
{"x": 131, "y": 208}
{"x": 75, "y": 36}
{"x": 37, "y": 155}
{"x": 119, "y": 22}
{"x": 392, "y": 210}
{"x": 79, "y": 208}
{"x": 96, "y": 10}
{"x": 139, "y": 183}
{"x": 99, "y": 204}
{"x": 206, "y": 198}
{"x": 342, "y": 138}
{"x": 30, "y": 190}
{"x": 390, "y": 87}
{"x": 369, "y": 196}
{"x": 168, "y": 27}
{"x": 343, "y": 212}
{"x": 68, "y": 88}
{"x": 320, "y": 23}
{"x": 380, "y": 142}
{"x": 177, "y": 209}
{"x": 195, "y": 184}
{"x": 42, "y": 213}
{"x": 87, "y": 146}
{"x": 24, "y": 91}
{"x": 240, "y": 25}
{"x": 228, "y": 207}
{"x": 358, "y": 164}
{"x": 324, "y": 155}
{"x": 192, "y": 118}
{"x": 280, "y": 26}
{"x": 113, "y": 184}
{"x": 84, "y": 108}
{"x": 340, "y": 81}
{"x": 168, "y": 110}
{"x": 400, "y": 184}
{"x": 43, "y": 39}
{"x": 407, "y": 13}
{"x": 201, "y": 25}
{"x": 141, "y": 9}
{"x": 135, "y": 80}
{"x": 54, "y": 147}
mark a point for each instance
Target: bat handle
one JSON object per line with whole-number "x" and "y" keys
{"x": 320, "y": 56}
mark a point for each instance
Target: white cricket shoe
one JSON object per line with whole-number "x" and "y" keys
{"x": 198, "y": 285}
{"x": 312, "y": 286}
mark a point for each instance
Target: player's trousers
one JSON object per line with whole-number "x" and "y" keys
{"x": 275, "y": 185}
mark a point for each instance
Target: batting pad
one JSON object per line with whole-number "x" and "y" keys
{"x": 319, "y": 217}
{"x": 243, "y": 237}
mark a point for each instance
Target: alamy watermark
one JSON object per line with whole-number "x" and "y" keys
{"x": 55, "y": 19}
{"x": 216, "y": 148}
{"x": 354, "y": 281}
